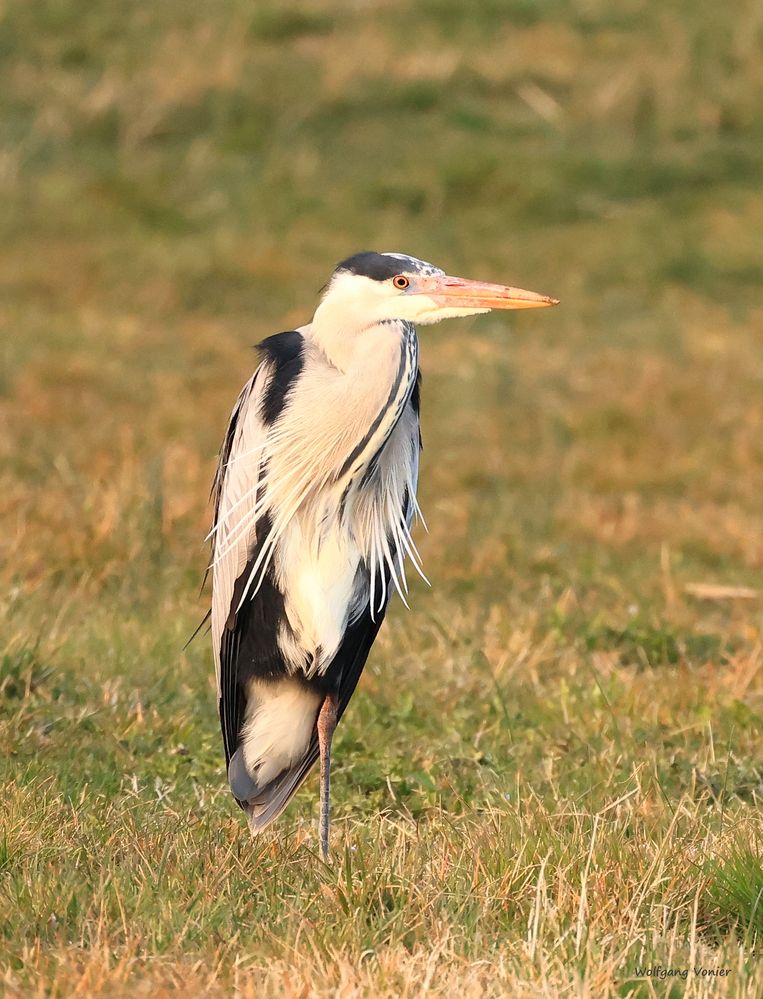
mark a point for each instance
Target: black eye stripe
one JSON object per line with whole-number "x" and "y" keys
{"x": 383, "y": 266}
{"x": 372, "y": 265}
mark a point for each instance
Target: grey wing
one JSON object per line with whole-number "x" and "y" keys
{"x": 243, "y": 630}
{"x": 238, "y": 500}
{"x": 235, "y": 494}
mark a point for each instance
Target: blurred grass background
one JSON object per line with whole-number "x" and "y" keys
{"x": 552, "y": 769}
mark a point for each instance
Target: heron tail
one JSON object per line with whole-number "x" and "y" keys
{"x": 264, "y": 803}
{"x": 277, "y": 747}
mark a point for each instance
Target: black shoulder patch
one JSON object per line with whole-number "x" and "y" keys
{"x": 370, "y": 264}
{"x": 286, "y": 352}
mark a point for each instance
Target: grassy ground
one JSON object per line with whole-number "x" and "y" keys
{"x": 551, "y": 775}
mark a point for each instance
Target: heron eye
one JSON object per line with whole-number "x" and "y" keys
{"x": 400, "y": 281}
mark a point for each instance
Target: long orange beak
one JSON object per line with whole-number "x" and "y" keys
{"x": 459, "y": 293}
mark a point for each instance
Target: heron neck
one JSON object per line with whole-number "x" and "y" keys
{"x": 358, "y": 348}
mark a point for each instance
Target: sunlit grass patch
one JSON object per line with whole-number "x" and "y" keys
{"x": 734, "y": 893}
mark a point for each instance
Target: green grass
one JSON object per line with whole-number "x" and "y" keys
{"x": 551, "y": 773}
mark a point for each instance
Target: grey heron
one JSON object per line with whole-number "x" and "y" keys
{"x": 314, "y": 497}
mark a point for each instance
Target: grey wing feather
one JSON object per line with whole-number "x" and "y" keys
{"x": 235, "y": 495}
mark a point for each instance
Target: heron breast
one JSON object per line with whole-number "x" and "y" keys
{"x": 319, "y": 578}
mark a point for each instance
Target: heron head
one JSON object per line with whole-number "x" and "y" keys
{"x": 370, "y": 288}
